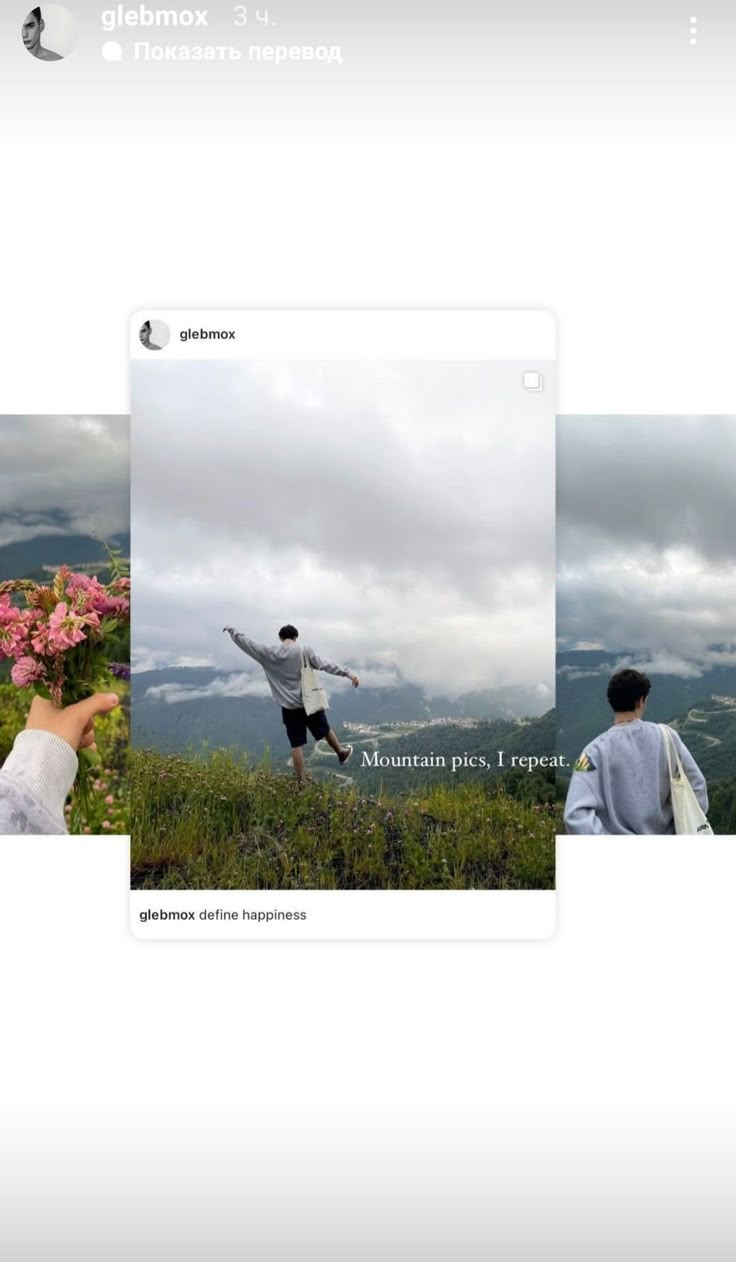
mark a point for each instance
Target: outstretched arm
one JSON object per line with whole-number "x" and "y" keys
{"x": 259, "y": 652}
{"x": 330, "y": 668}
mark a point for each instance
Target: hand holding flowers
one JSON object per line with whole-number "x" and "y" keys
{"x": 59, "y": 639}
{"x": 73, "y": 723}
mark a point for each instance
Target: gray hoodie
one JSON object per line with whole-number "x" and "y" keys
{"x": 621, "y": 783}
{"x": 282, "y": 665}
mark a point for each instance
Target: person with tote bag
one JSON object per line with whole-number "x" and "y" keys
{"x": 291, "y": 673}
{"x": 636, "y": 777}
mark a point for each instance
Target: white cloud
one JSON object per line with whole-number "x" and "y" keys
{"x": 224, "y": 686}
{"x": 16, "y": 531}
{"x": 647, "y": 537}
{"x": 243, "y": 684}
{"x": 63, "y": 475}
{"x": 400, "y": 515}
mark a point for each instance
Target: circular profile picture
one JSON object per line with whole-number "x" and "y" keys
{"x": 49, "y": 32}
{"x": 154, "y": 335}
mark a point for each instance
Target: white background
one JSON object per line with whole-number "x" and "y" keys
{"x": 564, "y": 1100}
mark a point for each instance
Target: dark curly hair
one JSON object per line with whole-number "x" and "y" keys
{"x": 626, "y": 688}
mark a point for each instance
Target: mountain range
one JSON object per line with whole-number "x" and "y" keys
{"x": 253, "y": 723}
{"x": 26, "y": 558}
{"x": 709, "y": 731}
{"x": 583, "y": 711}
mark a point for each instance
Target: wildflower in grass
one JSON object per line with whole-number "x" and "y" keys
{"x": 109, "y": 799}
{"x": 106, "y": 824}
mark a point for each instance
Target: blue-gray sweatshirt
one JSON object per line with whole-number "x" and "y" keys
{"x": 282, "y": 664}
{"x": 621, "y": 782}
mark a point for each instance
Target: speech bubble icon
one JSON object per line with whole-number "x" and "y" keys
{"x": 112, "y": 50}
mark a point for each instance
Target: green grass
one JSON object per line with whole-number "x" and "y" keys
{"x": 214, "y": 822}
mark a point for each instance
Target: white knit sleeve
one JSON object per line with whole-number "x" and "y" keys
{"x": 34, "y": 782}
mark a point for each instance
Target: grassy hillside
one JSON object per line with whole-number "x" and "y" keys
{"x": 215, "y": 822}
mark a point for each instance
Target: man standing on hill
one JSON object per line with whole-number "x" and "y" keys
{"x": 282, "y": 665}
{"x": 621, "y": 781}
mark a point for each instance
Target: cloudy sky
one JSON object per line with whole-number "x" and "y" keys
{"x": 400, "y": 514}
{"x": 63, "y": 475}
{"x": 647, "y": 538}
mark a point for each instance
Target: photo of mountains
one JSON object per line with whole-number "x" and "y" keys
{"x": 65, "y": 522}
{"x": 646, "y": 581}
{"x": 64, "y": 493}
{"x": 404, "y": 576}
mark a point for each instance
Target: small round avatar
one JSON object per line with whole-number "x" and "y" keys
{"x": 154, "y": 335}
{"x": 49, "y": 32}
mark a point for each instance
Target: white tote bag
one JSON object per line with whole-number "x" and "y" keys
{"x": 689, "y": 818}
{"x": 314, "y": 696}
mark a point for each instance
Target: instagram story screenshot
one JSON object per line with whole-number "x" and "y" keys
{"x": 367, "y": 630}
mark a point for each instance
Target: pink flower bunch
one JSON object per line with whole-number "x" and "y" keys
{"x": 43, "y": 640}
{"x": 87, "y": 593}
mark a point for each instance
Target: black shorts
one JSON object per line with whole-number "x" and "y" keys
{"x": 297, "y": 722}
